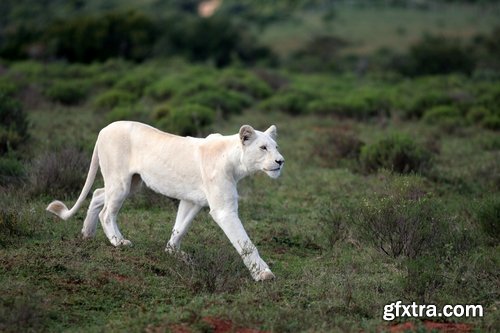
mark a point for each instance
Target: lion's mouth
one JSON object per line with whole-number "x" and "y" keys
{"x": 276, "y": 169}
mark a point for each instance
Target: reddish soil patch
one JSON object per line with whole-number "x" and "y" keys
{"x": 218, "y": 325}
{"x": 430, "y": 326}
{"x": 223, "y": 326}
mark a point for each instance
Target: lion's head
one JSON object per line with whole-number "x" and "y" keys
{"x": 260, "y": 151}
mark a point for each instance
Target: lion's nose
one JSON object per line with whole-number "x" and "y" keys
{"x": 280, "y": 161}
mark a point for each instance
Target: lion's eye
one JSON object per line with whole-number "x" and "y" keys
{"x": 263, "y": 148}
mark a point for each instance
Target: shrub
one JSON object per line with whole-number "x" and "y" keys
{"x": 229, "y": 102}
{"x": 68, "y": 92}
{"x": 488, "y": 216}
{"x": 126, "y": 112}
{"x": 492, "y": 122}
{"x": 59, "y": 174}
{"x": 128, "y": 35}
{"x": 13, "y": 124}
{"x": 11, "y": 170}
{"x": 289, "y": 101}
{"x": 403, "y": 220}
{"x": 477, "y": 114}
{"x": 447, "y": 117}
{"x": 441, "y": 113}
{"x": 336, "y": 144}
{"x": 7, "y": 87}
{"x": 114, "y": 97}
{"x": 245, "y": 82}
{"x": 189, "y": 119}
{"x": 438, "y": 55}
{"x": 136, "y": 82}
{"x": 164, "y": 88}
{"x": 359, "y": 105}
{"x": 422, "y": 101}
{"x": 398, "y": 153}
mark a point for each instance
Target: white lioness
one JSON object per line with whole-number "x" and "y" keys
{"x": 198, "y": 172}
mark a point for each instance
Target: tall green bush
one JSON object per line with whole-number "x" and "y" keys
{"x": 188, "y": 119}
{"x": 397, "y": 152}
{"x": 13, "y": 124}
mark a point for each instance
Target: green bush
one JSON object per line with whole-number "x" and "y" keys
{"x": 114, "y": 97}
{"x": 437, "y": 55}
{"x": 11, "y": 170}
{"x": 403, "y": 220}
{"x": 418, "y": 103}
{"x": 129, "y": 35}
{"x": 477, "y": 114}
{"x": 189, "y": 119}
{"x": 136, "y": 82}
{"x": 164, "y": 88}
{"x": 245, "y": 82}
{"x": 126, "y": 112}
{"x": 13, "y": 124}
{"x": 229, "y": 102}
{"x": 397, "y": 152}
{"x": 68, "y": 92}
{"x": 446, "y": 116}
{"x": 492, "y": 122}
{"x": 289, "y": 101}
{"x": 7, "y": 87}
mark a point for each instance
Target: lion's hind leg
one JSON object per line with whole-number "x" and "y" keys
{"x": 115, "y": 193}
{"x": 96, "y": 204}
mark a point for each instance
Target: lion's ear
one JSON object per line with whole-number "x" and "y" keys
{"x": 272, "y": 132}
{"x": 247, "y": 134}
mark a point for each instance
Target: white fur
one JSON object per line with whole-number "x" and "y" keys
{"x": 198, "y": 172}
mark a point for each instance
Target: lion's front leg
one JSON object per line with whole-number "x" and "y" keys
{"x": 232, "y": 227}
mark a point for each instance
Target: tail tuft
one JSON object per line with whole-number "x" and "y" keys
{"x": 58, "y": 208}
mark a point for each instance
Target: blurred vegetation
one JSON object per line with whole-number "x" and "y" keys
{"x": 390, "y": 190}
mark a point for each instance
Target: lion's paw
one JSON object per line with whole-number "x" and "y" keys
{"x": 124, "y": 242}
{"x": 266, "y": 275}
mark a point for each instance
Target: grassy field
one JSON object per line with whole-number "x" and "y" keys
{"x": 391, "y": 188}
{"x": 334, "y": 228}
{"x": 370, "y": 28}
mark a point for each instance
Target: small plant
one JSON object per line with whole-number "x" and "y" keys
{"x": 398, "y": 153}
{"x": 114, "y": 97}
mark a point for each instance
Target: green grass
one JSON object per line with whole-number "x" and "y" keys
{"x": 370, "y": 28}
{"x": 309, "y": 225}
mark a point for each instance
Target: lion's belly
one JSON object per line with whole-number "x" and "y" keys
{"x": 173, "y": 186}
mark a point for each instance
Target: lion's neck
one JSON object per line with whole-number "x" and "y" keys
{"x": 236, "y": 168}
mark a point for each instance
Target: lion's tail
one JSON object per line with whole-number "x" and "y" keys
{"x": 59, "y": 208}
